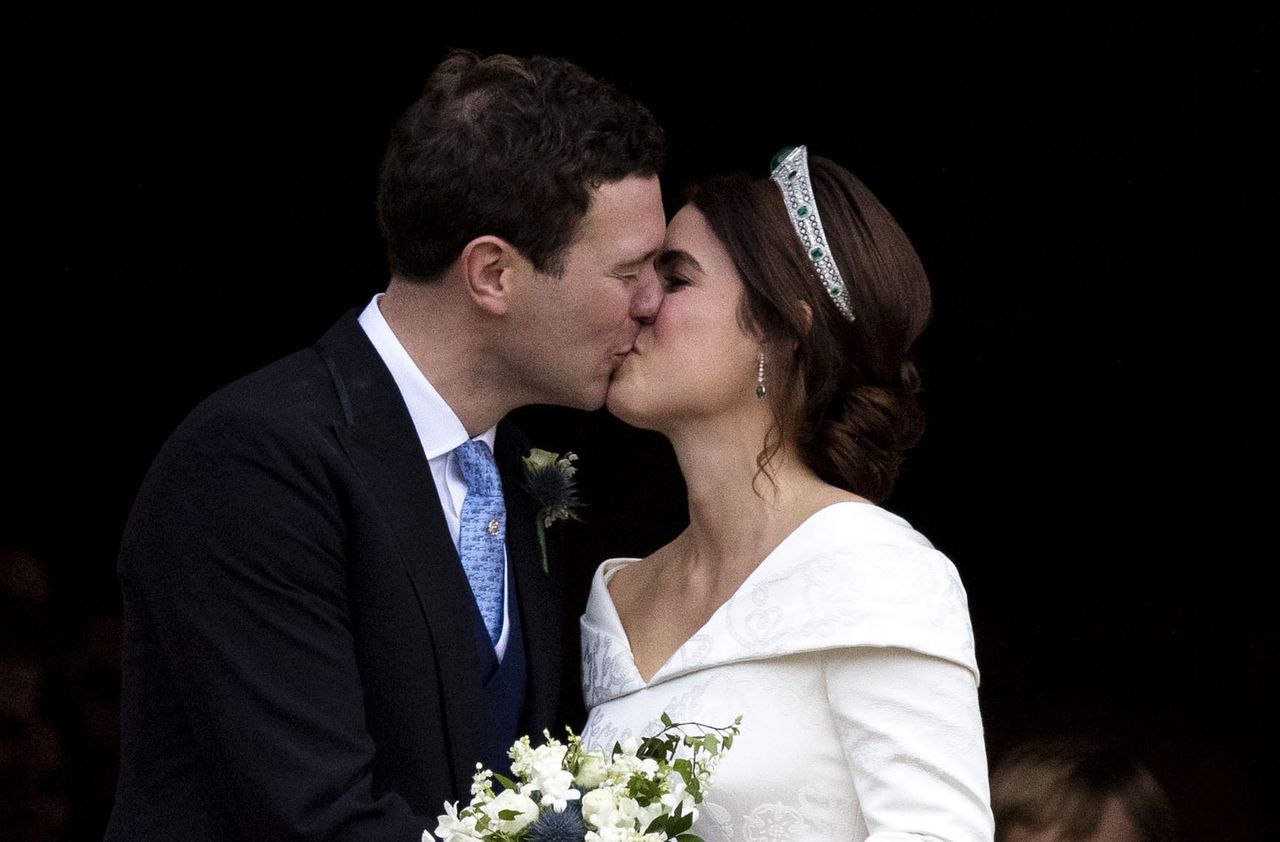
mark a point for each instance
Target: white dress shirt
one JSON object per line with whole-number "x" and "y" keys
{"x": 439, "y": 431}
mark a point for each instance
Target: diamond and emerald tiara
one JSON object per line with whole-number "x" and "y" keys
{"x": 791, "y": 173}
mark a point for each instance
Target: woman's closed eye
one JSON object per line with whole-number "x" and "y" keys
{"x": 672, "y": 282}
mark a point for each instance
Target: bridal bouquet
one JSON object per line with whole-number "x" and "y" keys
{"x": 645, "y": 791}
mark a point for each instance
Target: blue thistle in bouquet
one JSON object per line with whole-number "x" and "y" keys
{"x": 558, "y": 827}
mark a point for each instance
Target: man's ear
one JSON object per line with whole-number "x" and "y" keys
{"x": 489, "y": 267}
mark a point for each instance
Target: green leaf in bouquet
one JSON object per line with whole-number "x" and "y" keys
{"x": 644, "y": 790}
{"x": 506, "y": 782}
{"x": 679, "y": 822}
{"x": 666, "y": 719}
{"x": 508, "y": 815}
{"x": 652, "y": 747}
{"x": 658, "y": 825}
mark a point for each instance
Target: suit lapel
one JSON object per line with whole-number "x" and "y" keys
{"x": 381, "y": 441}
{"x": 538, "y": 597}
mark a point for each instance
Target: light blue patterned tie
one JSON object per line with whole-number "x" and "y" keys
{"x": 482, "y": 535}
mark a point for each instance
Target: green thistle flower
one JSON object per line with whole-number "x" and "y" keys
{"x": 548, "y": 477}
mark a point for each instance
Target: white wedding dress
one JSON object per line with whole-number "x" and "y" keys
{"x": 849, "y": 654}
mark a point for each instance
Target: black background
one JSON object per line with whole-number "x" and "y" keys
{"x": 1093, "y": 195}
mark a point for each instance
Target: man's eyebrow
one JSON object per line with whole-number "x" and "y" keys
{"x": 643, "y": 259}
{"x": 671, "y": 257}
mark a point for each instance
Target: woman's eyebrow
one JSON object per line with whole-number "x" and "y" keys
{"x": 669, "y": 257}
{"x": 636, "y": 263}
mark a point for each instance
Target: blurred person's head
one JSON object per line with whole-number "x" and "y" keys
{"x": 1067, "y": 790}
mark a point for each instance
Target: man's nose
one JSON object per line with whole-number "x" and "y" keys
{"x": 647, "y": 298}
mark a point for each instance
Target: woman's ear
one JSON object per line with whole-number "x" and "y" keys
{"x": 804, "y": 315}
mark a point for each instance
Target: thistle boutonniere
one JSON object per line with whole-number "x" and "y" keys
{"x": 548, "y": 477}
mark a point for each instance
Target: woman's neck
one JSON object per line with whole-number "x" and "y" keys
{"x": 737, "y": 513}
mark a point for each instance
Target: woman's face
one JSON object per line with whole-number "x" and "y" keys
{"x": 694, "y": 360}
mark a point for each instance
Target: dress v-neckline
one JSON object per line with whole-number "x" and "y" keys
{"x": 611, "y": 566}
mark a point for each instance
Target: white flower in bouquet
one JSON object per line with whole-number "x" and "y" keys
{"x": 451, "y": 828}
{"x": 548, "y": 776}
{"x": 591, "y": 771}
{"x": 600, "y": 808}
{"x": 678, "y": 796}
{"x": 519, "y": 810}
{"x": 626, "y": 762}
{"x": 644, "y": 791}
{"x": 619, "y": 834}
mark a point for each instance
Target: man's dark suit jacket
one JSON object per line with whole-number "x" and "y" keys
{"x": 300, "y": 658}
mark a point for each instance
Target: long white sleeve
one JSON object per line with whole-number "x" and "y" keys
{"x": 912, "y": 734}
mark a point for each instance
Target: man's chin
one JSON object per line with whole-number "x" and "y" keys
{"x": 590, "y": 399}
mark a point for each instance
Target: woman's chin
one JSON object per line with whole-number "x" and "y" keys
{"x": 625, "y": 403}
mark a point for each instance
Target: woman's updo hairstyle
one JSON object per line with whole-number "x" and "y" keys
{"x": 844, "y": 391}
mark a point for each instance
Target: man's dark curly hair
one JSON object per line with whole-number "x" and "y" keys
{"x": 510, "y": 147}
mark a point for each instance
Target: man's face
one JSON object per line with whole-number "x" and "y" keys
{"x": 579, "y": 327}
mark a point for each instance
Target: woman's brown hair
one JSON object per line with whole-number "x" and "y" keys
{"x": 846, "y": 396}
